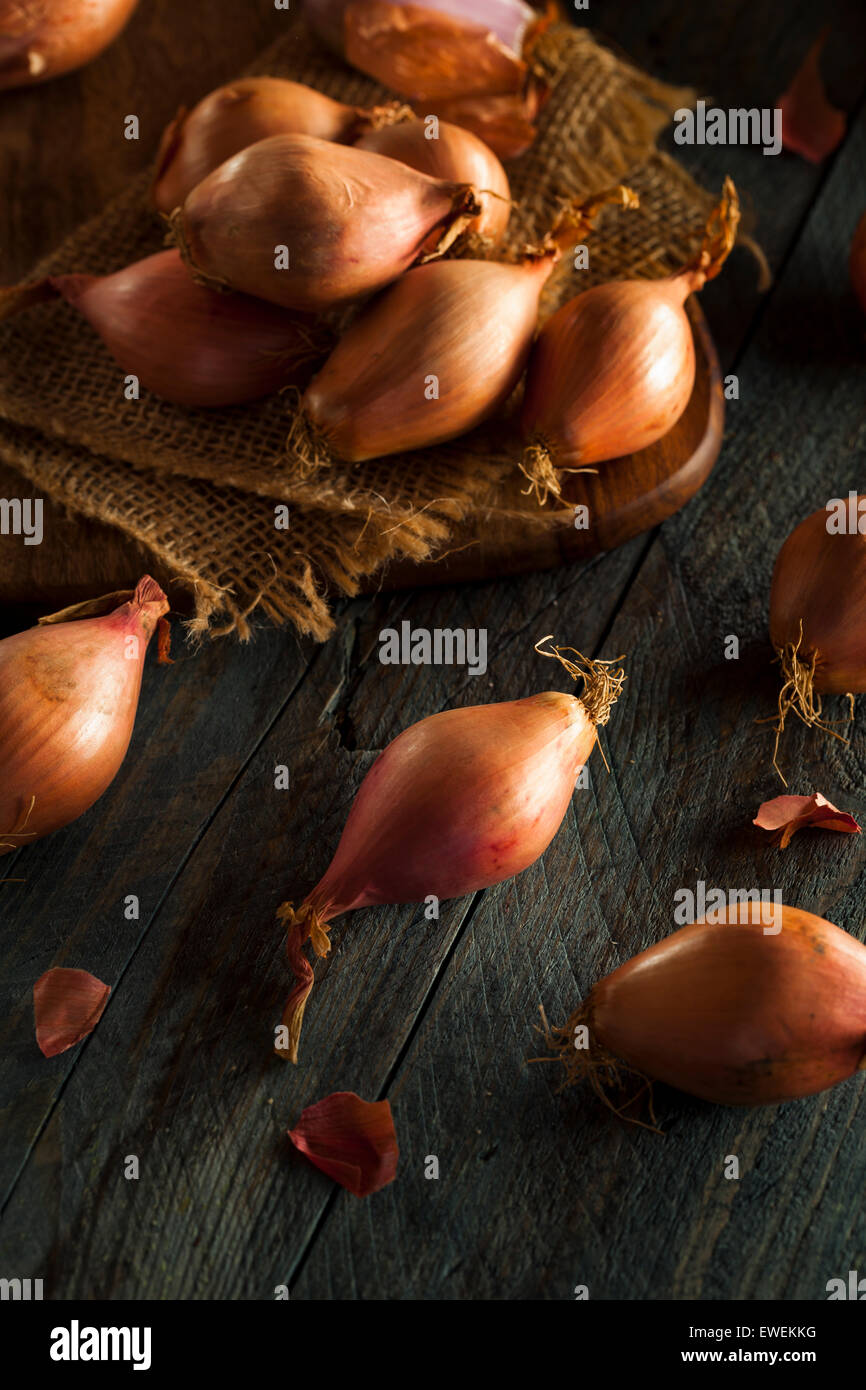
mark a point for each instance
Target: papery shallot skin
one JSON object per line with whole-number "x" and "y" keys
{"x": 41, "y": 39}
{"x": 68, "y": 699}
{"x": 740, "y": 1013}
{"x": 443, "y": 810}
{"x": 350, "y": 221}
{"x": 819, "y": 579}
{"x": 467, "y": 324}
{"x": 611, "y": 372}
{"x": 507, "y": 19}
{"x": 425, "y": 54}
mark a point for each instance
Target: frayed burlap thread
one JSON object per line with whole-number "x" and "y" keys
{"x": 198, "y": 488}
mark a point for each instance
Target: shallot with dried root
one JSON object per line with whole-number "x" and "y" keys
{"x": 740, "y": 1011}
{"x": 456, "y": 803}
{"x": 69, "y": 693}
{"x": 434, "y": 355}
{"x": 312, "y": 225}
{"x": 613, "y": 370}
{"x": 186, "y": 343}
{"x": 818, "y": 615}
{"x": 233, "y": 117}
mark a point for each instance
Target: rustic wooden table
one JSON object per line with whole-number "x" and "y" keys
{"x": 538, "y": 1191}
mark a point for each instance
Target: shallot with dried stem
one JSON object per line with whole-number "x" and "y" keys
{"x": 312, "y": 225}
{"x": 69, "y": 693}
{"x": 613, "y": 370}
{"x": 457, "y": 802}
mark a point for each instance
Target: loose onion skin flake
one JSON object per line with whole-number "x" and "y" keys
{"x": 792, "y": 813}
{"x": 613, "y": 370}
{"x": 68, "y": 697}
{"x": 233, "y": 117}
{"x": 67, "y": 1005}
{"x": 186, "y": 343}
{"x": 465, "y": 325}
{"x": 413, "y": 832}
{"x": 818, "y": 619}
{"x": 736, "y": 1012}
{"x": 349, "y": 221}
{"x": 41, "y": 39}
{"x": 811, "y": 127}
{"x": 454, "y": 154}
{"x": 350, "y": 1139}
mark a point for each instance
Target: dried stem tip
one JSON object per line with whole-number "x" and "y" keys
{"x": 602, "y": 680}
{"x": 720, "y": 234}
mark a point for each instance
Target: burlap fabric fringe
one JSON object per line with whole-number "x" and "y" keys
{"x": 199, "y": 487}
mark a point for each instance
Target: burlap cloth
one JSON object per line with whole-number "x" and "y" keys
{"x": 199, "y": 488}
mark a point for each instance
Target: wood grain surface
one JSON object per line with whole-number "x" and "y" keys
{"x": 538, "y": 1191}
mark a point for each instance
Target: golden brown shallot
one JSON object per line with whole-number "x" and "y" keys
{"x": 312, "y": 225}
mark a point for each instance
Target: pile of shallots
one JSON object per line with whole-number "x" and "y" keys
{"x": 359, "y": 257}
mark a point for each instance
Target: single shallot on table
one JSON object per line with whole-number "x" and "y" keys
{"x": 762, "y": 1005}
{"x": 457, "y": 802}
{"x": 68, "y": 697}
{"x": 41, "y": 39}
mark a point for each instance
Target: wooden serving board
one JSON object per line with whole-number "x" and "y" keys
{"x": 79, "y": 558}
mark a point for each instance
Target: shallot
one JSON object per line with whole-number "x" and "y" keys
{"x": 412, "y": 832}
{"x": 312, "y": 225}
{"x": 68, "y": 696}
{"x": 233, "y": 117}
{"x": 507, "y": 20}
{"x": 740, "y": 1011}
{"x": 184, "y": 342}
{"x": 41, "y": 39}
{"x": 613, "y": 370}
{"x": 446, "y": 151}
